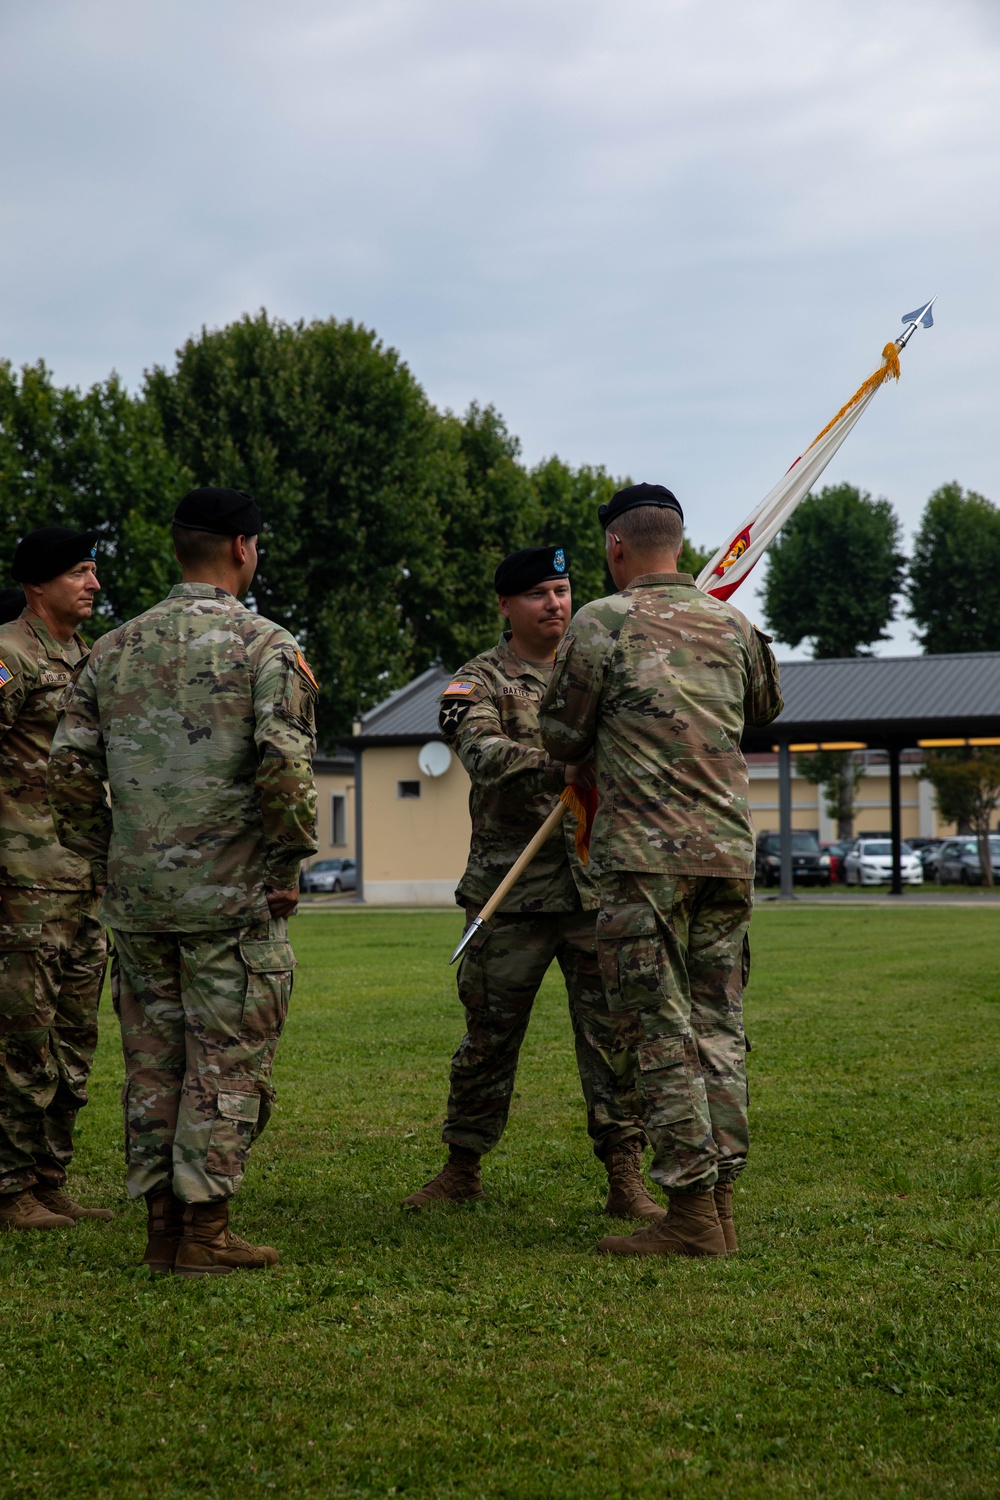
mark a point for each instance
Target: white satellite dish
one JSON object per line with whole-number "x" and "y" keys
{"x": 434, "y": 758}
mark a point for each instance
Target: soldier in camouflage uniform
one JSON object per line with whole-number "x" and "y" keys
{"x": 657, "y": 682}
{"x": 489, "y": 715}
{"x": 52, "y": 950}
{"x": 201, "y": 718}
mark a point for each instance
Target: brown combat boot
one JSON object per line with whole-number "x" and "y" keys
{"x": 24, "y": 1211}
{"x": 627, "y": 1195}
{"x": 164, "y": 1231}
{"x": 724, "y": 1208}
{"x": 58, "y": 1202}
{"x": 690, "y": 1228}
{"x": 459, "y": 1181}
{"x": 209, "y": 1247}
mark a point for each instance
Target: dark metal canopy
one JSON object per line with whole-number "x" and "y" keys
{"x": 890, "y": 702}
{"x": 880, "y": 701}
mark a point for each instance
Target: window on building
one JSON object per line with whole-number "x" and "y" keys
{"x": 338, "y": 819}
{"x": 407, "y": 788}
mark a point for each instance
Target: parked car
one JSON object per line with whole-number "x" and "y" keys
{"x": 869, "y": 862}
{"x": 927, "y": 851}
{"x": 836, "y": 851}
{"x": 330, "y": 875}
{"x": 810, "y": 866}
{"x": 958, "y": 862}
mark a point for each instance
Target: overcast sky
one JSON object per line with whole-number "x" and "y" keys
{"x": 666, "y": 236}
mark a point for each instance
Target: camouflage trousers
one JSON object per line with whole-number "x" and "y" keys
{"x": 499, "y": 976}
{"x": 675, "y": 956}
{"x": 52, "y": 956}
{"x": 200, "y": 1014}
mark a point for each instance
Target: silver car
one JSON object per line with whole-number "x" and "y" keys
{"x": 330, "y": 875}
{"x": 958, "y": 862}
{"x": 869, "y": 862}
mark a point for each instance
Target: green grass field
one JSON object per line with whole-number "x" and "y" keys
{"x": 851, "y": 1349}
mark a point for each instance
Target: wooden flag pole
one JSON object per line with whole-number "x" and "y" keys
{"x": 515, "y": 872}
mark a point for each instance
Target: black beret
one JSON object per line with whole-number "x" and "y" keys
{"x": 522, "y": 570}
{"x": 12, "y": 601}
{"x": 638, "y": 494}
{"x": 46, "y": 553}
{"x": 222, "y": 512}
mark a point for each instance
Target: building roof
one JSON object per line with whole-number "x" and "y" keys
{"x": 871, "y": 699}
{"x": 408, "y": 716}
{"x": 878, "y": 699}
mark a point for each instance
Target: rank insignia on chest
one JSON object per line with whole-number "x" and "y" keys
{"x": 458, "y": 689}
{"x": 6, "y": 675}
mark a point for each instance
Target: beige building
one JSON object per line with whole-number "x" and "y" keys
{"x": 396, "y": 798}
{"x": 872, "y": 806}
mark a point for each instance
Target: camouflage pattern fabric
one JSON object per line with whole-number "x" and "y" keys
{"x": 656, "y": 682}
{"x": 35, "y": 672}
{"x": 52, "y": 956}
{"x": 489, "y": 716}
{"x": 498, "y": 979}
{"x": 674, "y": 957}
{"x": 201, "y": 717}
{"x": 201, "y": 1014}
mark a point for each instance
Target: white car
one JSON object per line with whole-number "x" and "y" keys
{"x": 869, "y": 862}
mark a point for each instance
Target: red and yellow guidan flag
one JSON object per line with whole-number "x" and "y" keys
{"x": 733, "y": 561}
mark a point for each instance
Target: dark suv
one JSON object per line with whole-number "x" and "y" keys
{"x": 810, "y": 866}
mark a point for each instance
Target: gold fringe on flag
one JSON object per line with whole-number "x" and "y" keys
{"x": 889, "y": 371}
{"x": 570, "y": 797}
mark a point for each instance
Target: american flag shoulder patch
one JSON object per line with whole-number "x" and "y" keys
{"x": 6, "y": 675}
{"x": 458, "y": 689}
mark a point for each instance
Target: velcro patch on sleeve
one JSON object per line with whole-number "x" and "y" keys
{"x": 451, "y": 716}
{"x": 459, "y": 689}
{"x": 6, "y": 675}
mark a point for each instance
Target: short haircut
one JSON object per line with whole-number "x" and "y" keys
{"x": 650, "y": 528}
{"x": 196, "y": 549}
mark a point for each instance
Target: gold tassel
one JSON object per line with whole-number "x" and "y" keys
{"x": 889, "y": 371}
{"x": 570, "y": 797}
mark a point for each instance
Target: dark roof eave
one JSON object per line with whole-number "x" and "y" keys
{"x": 875, "y": 732}
{"x": 386, "y": 741}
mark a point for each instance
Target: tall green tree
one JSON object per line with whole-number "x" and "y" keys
{"x": 954, "y": 586}
{"x": 967, "y": 791}
{"x": 356, "y": 475}
{"x": 838, "y": 772}
{"x": 833, "y": 573}
{"x": 93, "y": 460}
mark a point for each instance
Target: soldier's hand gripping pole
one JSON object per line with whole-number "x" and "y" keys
{"x": 515, "y": 872}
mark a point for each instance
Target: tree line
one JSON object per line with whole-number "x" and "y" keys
{"x": 384, "y": 518}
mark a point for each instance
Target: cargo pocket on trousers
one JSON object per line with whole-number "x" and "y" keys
{"x": 19, "y": 945}
{"x": 234, "y": 1128}
{"x": 663, "y": 1081}
{"x": 269, "y": 964}
{"x": 630, "y": 954}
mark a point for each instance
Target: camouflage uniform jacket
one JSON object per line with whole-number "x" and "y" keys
{"x": 201, "y": 718}
{"x": 659, "y": 680}
{"x": 489, "y": 716}
{"x": 35, "y": 671}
